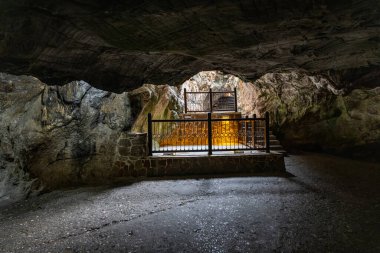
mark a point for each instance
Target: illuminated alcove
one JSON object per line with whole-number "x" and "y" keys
{"x": 214, "y": 95}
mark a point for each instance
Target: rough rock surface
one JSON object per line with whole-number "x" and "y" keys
{"x": 62, "y": 135}
{"x": 347, "y": 125}
{"x": 73, "y": 134}
{"x": 287, "y": 96}
{"x": 247, "y": 92}
{"x": 163, "y": 101}
{"x": 118, "y": 45}
{"x": 76, "y": 134}
{"x": 307, "y": 111}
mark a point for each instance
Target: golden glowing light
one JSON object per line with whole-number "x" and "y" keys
{"x": 196, "y": 133}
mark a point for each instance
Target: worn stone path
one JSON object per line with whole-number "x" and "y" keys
{"x": 330, "y": 204}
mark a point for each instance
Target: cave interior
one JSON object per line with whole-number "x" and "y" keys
{"x": 78, "y": 79}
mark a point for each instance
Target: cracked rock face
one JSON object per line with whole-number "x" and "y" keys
{"x": 163, "y": 101}
{"x": 62, "y": 135}
{"x": 310, "y": 112}
{"x": 69, "y": 135}
{"x": 348, "y": 125}
{"x": 307, "y": 111}
{"x": 72, "y": 134}
{"x": 119, "y": 45}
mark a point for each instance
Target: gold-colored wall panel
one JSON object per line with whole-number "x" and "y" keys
{"x": 195, "y": 133}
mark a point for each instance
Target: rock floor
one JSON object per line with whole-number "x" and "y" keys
{"x": 330, "y": 204}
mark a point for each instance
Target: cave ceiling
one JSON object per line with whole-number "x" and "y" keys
{"x": 119, "y": 45}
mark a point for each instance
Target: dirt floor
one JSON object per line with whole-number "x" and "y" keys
{"x": 327, "y": 204}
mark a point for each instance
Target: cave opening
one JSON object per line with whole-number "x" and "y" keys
{"x": 286, "y": 96}
{"x": 307, "y": 111}
{"x": 208, "y": 118}
{"x": 79, "y": 123}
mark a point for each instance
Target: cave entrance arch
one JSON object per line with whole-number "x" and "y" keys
{"x": 210, "y": 120}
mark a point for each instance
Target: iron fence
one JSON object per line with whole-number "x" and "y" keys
{"x": 210, "y": 101}
{"x": 208, "y": 135}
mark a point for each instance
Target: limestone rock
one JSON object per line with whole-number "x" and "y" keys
{"x": 247, "y": 92}
{"x": 307, "y": 111}
{"x": 62, "y": 135}
{"x": 162, "y": 101}
{"x": 75, "y": 134}
{"x": 120, "y": 45}
{"x": 347, "y": 125}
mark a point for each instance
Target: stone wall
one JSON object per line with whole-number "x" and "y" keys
{"x": 217, "y": 164}
{"x": 133, "y": 161}
{"x": 131, "y": 155}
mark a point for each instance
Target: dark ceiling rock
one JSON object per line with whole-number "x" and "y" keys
{"x": 118, "y": 45}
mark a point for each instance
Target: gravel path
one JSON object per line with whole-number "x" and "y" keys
{"x": 330, "y": 204}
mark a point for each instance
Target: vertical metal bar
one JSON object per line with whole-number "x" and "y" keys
{"x": 185, "y": 98}
{"x": 182, "y": 135}
{"x": 246, "y": 131}
{"x": 236, "y": 109}
{"x": 253, "y": 129}
{"x": 230, "y": 125}
{"x": 267, "y": 141}
{"x": 150, "y": 141}
{"x": 210, "y": 100}
{"x": 209, "y": 129}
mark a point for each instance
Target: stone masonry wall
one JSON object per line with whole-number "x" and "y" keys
{"x": 218, "y": 164}
{"x": 132, "y": 160}
{"x": 131, "y": 155}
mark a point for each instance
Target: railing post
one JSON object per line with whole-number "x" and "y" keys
{"x": 150, "y": 141}
{"x": 235, "y": 94}
{"x": 246, "y": 130}
{"x": 267, "y": 140}
{"x": 185, "y": 97}
{"x": 210, "y": 100}
{"x": 209, "y": 133}
{"x": 254, "y": 131}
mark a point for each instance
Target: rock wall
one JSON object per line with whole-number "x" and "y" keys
{"x": 247, "y": 92}
{"x": 163, "y": 101}
{"x": 120, "y": 45}
{"x": 307, "y": 111}
{"x": 62, "y": 135}
{"x": 73, "y": 134}
{"x": 288, "y": 96}
{"x": 76, "y": 134}
{"x": 347, "y": 125}
{"x": 310, "y": 112}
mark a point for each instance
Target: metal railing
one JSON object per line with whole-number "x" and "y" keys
{"x": 210, "y": 101}
{"x": 208, "y": 135}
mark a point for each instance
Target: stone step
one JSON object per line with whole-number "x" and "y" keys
{"x": 281, "y": 151}
{"x": 278, "y": 148}
{"x": 274, "y": 142}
